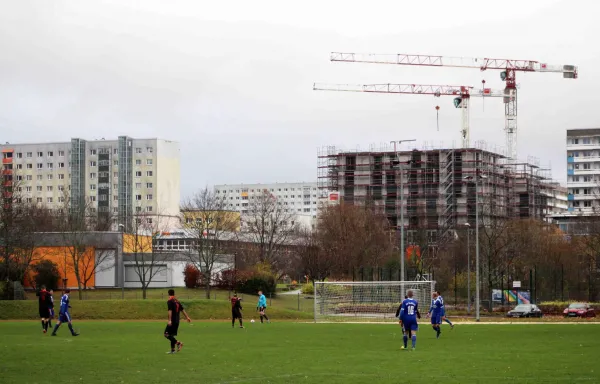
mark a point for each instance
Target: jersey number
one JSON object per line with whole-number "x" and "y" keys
{"x": 411, "y": 310}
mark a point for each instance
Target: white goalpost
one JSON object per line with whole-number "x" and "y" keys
{"x": 367, "y": 301}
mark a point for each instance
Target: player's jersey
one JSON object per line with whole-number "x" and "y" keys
{"x": 50, "y": 301}
{"x": 236, "y": 303}
{"x": 441, "y": 299}
{"x": 409, "y": 309}
{"x": 262, "y": 301}
{"x": 43, "y": 299}
{"x": 436, "y": 307}
{"x": 175, "y": 307}
{"x": 64, "y": 303}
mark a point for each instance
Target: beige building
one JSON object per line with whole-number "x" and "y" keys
{"x": 115, "y": 177}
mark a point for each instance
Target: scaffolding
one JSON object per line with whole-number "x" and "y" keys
{"x": 441, "y": 186}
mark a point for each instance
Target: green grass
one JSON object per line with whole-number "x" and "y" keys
{"x": 134, "y": 352}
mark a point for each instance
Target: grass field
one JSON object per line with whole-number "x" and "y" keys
{"x": 134, "y": 352}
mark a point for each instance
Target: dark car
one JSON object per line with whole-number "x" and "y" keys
{"x": 579, "y": 310}
{"x": 525, "y": 310}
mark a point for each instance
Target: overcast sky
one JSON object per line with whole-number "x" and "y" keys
{"x": 232, "y": 80}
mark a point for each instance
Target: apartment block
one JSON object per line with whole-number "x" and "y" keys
{"x": 118, "y": 178}
{"x": 583, "y": 170}
{"x": 300, "y": 199}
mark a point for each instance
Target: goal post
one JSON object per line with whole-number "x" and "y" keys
{"x": 367, "y": 301}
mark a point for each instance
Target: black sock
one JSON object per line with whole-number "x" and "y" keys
{"x": 261, "y": 318}
{"x": 56, "y": 328}
{"x": 71, "y": 329}
{"x": 265, "y": 316}
{"x": 43, "y": 325}
{"x": 49, "y": 323}
{"x": 173, "y": 341}
{"x": 241, "y": 324}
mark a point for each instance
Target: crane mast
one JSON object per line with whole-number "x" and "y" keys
{"x": 509, "y": 68}
{"x": 462, "y": 95}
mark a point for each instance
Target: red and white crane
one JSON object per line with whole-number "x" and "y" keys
{"x": 508, "y": 74}
{"x": 461, "y": 93}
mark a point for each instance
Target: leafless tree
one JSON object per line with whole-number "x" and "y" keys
{"x": 314, "y": 262}
{"x": 269, "y": 226}
{"x": 209, "y": 225}
{"x": 146, "y": 260}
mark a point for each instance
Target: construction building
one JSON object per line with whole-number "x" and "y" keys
{"x": 118, "y": 178}
{"x": 440, "y": 186}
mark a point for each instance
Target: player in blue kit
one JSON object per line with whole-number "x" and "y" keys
{"x": 443, "y": 314}
{"x": 409, "y": 312}
{"x": 435, "y": 311}
{"x": 63, "y": 315}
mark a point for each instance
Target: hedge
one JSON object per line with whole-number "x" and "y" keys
{"x": 142, "y": 310}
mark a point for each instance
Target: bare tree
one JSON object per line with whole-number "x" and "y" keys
{"x": 209, "y": 226}
{"x": 269, "y": 226}
{"x": 146, "y": 261}
{"x": 314, "y": 262}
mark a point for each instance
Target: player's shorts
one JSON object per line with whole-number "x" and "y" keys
{"x": 236, "y": 313}
{"x": 44, "y": 313}
{"x": 436, "y": 320}
{"x": 410, "y": 326}
{"x": 262, "y": 310}
{"x": 171, "y": 330}
{"x": 64, "y": 317}
{"x": 443, "y": 312}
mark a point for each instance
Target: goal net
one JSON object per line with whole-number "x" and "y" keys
{"x": 367, "y": 301}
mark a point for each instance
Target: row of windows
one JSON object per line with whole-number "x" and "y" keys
{"x": 586, "y": 203}
{"x": 60, "y": 176}
{"x": 582, "y": 140}
{"x": 94, "y": 163}
{"x": 245, "y": 190}
{"x": 61, "y": 153}
{"x": 585, "y": 179}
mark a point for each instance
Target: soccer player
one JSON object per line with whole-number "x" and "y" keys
{"x": 43, "y": 299}
{"x": 261, "y": 307}
{"x": 443, "y": 314}
{"x": 174, "y": 309}
{"x": 51, "y": 307}
{"x": 409, "y": 312}
{"x": 398, "y": 315}
{"x": 63, "y": 314}
{"x": 435, "y": 311}
{"x": 236, "y": 310}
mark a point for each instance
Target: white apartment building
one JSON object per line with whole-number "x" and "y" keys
{"x": 301, "y": 199}
{"x": 583, "y": 170}
{"x": 117, "y": 177}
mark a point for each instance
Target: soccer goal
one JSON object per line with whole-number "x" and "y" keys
{"x": 367, "y": 301}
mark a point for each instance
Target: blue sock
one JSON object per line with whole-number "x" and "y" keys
{"x": 71, "y": 329}
{"x": 414, "y": 341}
{"x": 439, "y": 331}
{"x": 405, "y": 339}
{"x": 448, "y": 321}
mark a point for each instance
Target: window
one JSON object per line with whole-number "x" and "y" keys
{"x": 115, "y": 174}
{"x": 19, "y": 178}
{"x": 50, "y": 165}
{"x": 149, "y": 149}
{"x": 61, "y": 187}
{"x": 49, "y": 188}
{"x": 92, "y": 163}
{"x": 576, "y": 191}
{"x": 138, "y": 185}
{"x": 93, "y": 210}
{"x": 50, "y": 177}
{"x": 149, "y": 208}
{"x": 92, "y": 152}
{"x": 116, "y": 162}
{"x": 587, "y": 179}
{"x": 138, "y": 209}
{"x": 149, "y": 220}
{"x": 61, "y": 199}
{"x": 138, "y": 150}
{"x": 19, "y": 155}
{"x": 115, "y": 151}
{"x": 575, "y": 141}
{"x": 587, "y": 166}
{"x": 49, "y": 200}
{"x": 587, "y": 191}
{"x": 19, "y": 166}
{"x": 92, "y": 175}
{"x": 28, "y": 177}
{"x": 40, "y": 165}
{"x": 148, "y": 197}
{"x": 29, "y": 154}
{"x": 587, "y": 140}
{"x": 27, "y": 189}
{"x": 115, "y": 197}
{"x": 38, "y": 177}
{"x": 61, "y": 165}
{"x": 138, "y": 197}
{"x": 149, "y": 185}
{"x": 61, "y": 153}
{"x": 92, "y": 187}
{"x": 587, "y": 203}
{"x": 148, "y": 173}
{"x": 148, "y": 161}
{"x": 29, "y": 166}
{"x": 115, "y": 186}
{"x": 92, "y": 198}
{"x": 38, "y": 188}
{"x": 39, "y": 200}
{"x": 138, "y": 173}
{"x": 138, "y": 161}
{"x": 40, "y": 154}
{"x": 50, "y": 154}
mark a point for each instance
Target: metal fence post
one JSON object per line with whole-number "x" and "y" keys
{"x": 298, "y": 301}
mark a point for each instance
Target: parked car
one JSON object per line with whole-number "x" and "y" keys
{"x": 579, "y": 310}
{"x": 525, "y": 310}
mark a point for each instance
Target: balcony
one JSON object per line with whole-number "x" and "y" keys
{"x": 583, "y": 159}
{"x": 583, "y": 171}
{"x": 581, "y": 184}
{"x": 582, "y": 197}
{"x": 583, "y": 147}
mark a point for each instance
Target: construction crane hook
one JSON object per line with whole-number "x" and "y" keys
{"x": 437, "y": 116}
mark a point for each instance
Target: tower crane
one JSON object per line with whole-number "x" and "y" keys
{"x": 508, "y": 75}
{"x": 462, "y": 95}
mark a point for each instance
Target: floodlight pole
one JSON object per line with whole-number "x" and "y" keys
{"x": 468, "y": 268}
{"x": 402, "y": 271}
{"x": 477, "y": 247}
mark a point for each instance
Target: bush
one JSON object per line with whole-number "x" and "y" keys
{"x": 191, "y": 276}
{"x": 226, "y": 279}
{"x": 46, "y": 273}
{"x": 253, "y": 283}
{"x": 308, "y": 289}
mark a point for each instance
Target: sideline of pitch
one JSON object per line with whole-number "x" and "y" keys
{"x": 464, "y": 322}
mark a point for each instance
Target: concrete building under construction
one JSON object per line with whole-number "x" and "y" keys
{"x": 439, "y": 186}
